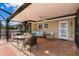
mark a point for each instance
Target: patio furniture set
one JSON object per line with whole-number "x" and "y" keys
{"x": 30, "y": 40}
{"x": 26, "y": 39}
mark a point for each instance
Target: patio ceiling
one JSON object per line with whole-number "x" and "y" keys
{"x": 43, "y": 11}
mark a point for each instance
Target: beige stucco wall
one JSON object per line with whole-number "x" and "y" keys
{"x": 71, "y": 29}
{"x": 34, "y": 27}
{"x": 53, "y": 26}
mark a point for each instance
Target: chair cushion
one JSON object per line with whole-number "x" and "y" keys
{"x": 50, "y": 35}
{"x": 39, "y": 33}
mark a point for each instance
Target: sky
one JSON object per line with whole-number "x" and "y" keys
{"x": 10, "y": 7}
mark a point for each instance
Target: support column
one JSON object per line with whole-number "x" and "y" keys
{"x": 24, "y": 26}
{"x": 7, "y": 30}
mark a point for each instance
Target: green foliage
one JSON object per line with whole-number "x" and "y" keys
{"x": 12, "y": 27}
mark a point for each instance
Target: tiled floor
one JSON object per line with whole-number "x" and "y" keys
{"x": 51, "y": 48}
{"x": 54, "y": 47}
{"x": 14, "y": 43}
{"x": 6, "y": 49}
{"x": 2, "y": 41}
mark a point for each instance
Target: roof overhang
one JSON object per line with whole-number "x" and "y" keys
{"x": 25, "y": 5}
{"x": 46, "y": 11}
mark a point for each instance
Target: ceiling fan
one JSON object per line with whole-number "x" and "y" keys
{"x": 43, "y": 17}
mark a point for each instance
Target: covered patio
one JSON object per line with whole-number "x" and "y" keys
{"x": 38, "y": 24}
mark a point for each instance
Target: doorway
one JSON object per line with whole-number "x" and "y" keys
{"x": 63, "y": 29}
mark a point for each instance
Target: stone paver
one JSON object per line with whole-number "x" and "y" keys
{"x": 6, "y": 49}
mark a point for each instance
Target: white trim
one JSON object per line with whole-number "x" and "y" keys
{"x": 57, "y": 19}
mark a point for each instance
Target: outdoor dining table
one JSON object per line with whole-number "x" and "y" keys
{"x": 21, "y": 38}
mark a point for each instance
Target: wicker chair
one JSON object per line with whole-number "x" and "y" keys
{"x": 32, "y": 41}
{"x": 50, "y": 35}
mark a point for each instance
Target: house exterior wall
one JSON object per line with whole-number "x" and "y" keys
{"x": 53, "y": 26}
{"x": 71, "y": 29}
{"x": 33, "y": 27}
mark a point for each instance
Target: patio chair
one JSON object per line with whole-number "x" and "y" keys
{"x": 32, "y": 41}
{"x": 50, "y": 35}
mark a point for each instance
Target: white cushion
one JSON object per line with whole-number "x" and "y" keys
{"x": 39, "y": 33}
